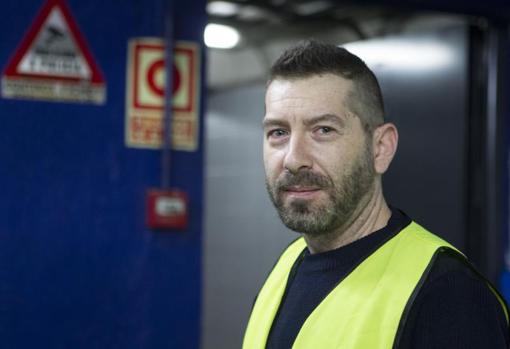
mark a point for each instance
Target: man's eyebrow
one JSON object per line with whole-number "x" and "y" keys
{"x": 339, "y": 121}
{"x": 273, "y": 122}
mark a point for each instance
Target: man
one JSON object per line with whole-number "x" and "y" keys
{"x": 363, "y": 275}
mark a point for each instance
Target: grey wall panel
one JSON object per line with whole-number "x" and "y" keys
{"x": 428, "y": 176}
{"x": 243, "y": 235}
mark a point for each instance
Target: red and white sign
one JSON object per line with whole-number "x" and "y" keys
{"x": 53, "y": 62}
{"x": 145, "y": 92}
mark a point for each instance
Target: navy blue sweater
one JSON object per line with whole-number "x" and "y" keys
{"x": 453, "y": 309}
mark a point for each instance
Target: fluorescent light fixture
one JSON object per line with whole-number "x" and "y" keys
{"x": 220, "y": 36}
{"x": 422, "y": 55}
{"x": 222, "y": 8}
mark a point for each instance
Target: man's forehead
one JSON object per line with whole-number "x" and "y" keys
{"x": 326, "y": 88}
{"x": 307, "y": 97}
{"x": 327, "y": 79}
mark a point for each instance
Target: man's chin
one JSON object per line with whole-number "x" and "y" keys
{"x": 298, "y": 226}
{"x": 299, "y": 218}
{"x": 305, "y": 226}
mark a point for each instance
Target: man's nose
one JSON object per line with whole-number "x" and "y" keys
{"x": 298, "y": 154}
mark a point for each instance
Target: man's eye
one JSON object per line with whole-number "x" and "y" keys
{"x": 277, "y": 133}
{"x": 325, "y": 130}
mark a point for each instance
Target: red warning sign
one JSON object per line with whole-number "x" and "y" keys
{"x": 53, "y": 61}
{"x": 145, "y": 94}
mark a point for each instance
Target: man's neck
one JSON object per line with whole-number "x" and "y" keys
{"x": 368, "y": 218}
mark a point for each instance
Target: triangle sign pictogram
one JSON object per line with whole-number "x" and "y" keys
{"x": 54, "y": 49}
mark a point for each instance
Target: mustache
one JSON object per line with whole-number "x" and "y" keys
{"x": 302, "y": 178}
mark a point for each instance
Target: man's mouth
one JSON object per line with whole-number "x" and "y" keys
{"x": 299, "y": 191}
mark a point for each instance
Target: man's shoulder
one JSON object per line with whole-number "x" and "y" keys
{"x": 453, "y": 276}
{"x": 455, "y": 307}
{"x": 449, "y": 263}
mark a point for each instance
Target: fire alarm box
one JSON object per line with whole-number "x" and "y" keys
{"x": 167, "y": 209}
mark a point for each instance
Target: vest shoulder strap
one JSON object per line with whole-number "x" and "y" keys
{"x": 270, "y": 296}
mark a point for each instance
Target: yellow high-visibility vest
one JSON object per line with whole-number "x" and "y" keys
{"x": 366, "y": 309}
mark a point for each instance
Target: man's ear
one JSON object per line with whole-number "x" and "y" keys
{"x": 385, "y": 141}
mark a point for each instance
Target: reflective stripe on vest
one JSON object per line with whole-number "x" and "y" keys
{"x": 365, "y": 309}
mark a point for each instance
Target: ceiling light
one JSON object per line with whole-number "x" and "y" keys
{"x": 220, "y": 36}
{"x": 222, "y": 8}
{"x": 422, "y": 55}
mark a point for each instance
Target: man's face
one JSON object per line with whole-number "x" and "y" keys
{"x": 318, "y": 159}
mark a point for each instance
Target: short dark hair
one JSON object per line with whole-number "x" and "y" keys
{"x": 310, "y": 57}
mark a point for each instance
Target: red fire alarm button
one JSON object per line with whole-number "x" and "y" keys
{"x": 167, "y": 209}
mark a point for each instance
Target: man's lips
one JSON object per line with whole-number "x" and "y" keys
{"x": 300, "y": 188}
{"x": 301, "y": 191}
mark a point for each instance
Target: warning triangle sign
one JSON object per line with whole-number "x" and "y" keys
{"x": 53, "y": 61}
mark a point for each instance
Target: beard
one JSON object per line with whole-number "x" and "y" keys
{"x": 324, "y": 216}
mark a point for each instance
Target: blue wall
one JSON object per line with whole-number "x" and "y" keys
{"x": 78, "y": 267}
